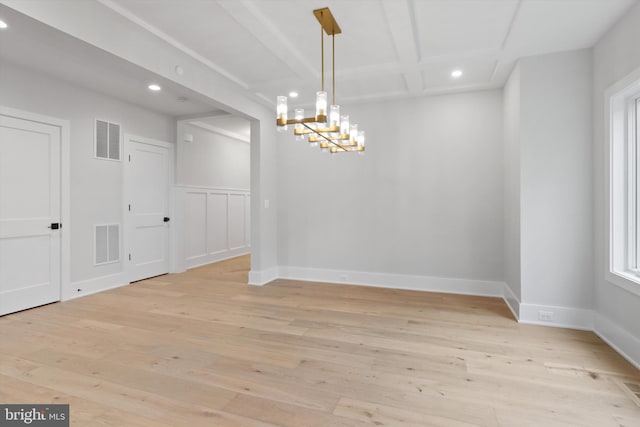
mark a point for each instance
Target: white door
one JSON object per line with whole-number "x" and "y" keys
{"x": 147, "y": 181}
{"x": 29, "y": 214}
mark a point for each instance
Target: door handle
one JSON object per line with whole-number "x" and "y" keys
{"x": 167, "y": 219}
{"x": 55, "y": 225}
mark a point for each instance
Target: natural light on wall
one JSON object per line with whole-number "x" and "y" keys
{"x": 623, "y": 118}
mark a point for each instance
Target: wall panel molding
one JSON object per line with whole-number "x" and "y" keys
{"x": 216, "y": 224}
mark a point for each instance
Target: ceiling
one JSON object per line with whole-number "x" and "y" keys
{"x": 387, "y": 49}
{"x": 34, "y": 45}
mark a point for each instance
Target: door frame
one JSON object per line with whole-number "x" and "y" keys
{"x": 127, "y": 224}
{"x": 65, "y": 189}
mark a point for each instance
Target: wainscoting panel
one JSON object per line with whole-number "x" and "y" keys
{"x": 216, "y": 224}
{"x": 196, "y": 221}
{"x": 218, "y": 217}
{"x": 236, "y": 221}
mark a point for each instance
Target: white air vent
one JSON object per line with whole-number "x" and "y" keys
{"x": 107, "y": 140}
{"x": 107, "y": 237}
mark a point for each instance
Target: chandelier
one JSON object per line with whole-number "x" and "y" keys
{"x": 331, "y": 132}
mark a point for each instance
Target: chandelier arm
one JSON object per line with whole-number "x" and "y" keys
{"x": 324, "y": 137}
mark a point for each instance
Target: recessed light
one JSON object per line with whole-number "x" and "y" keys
{"x": 456, "y": 74}
{"x": 3, "y": 25}
{"x": 293, "y": 94}
{"x": 154, "y": 87}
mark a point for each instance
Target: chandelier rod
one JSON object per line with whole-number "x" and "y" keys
{"x": 322, "y": 49}
{"x": 333, "y": 65}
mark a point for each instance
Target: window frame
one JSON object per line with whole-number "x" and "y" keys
{"x": 622, "y": 119}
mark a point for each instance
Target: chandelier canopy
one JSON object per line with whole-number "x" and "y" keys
{"x": 332, "y": 132}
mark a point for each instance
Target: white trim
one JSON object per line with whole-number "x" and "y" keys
{"x": 395, "y": 281}
{"x": 212, "y": 189}
{"x": 260, "y": 278}
{"x": 207, "y": 257}
{"x": 563, "y": 317}
{"x": 173, "y": 42}
{"x": 82, "y": 288}
{"x": 619, "y": 339}
{"x": 219, "y": 131}
{"x": 512, "y": 301}
{"x": 127, "y": 235}
{"x": 616, "y": 166}
{"x": 200, "y": 260}
{"x": 65, "y": 188}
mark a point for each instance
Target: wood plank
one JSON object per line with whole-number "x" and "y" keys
{"x": 202, "y": 348}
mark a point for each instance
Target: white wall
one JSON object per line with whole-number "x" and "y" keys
{"x": 618, "y": 311}
{"x": 96, "y": 185}
{"x": 555, "y": 170}
{"x": 213, "y": 177}
{"x": 512, "y": 189}
{"x": 212, "y": 159}
{"x": 426, "y": 200}
{"x": 119, "y": 36}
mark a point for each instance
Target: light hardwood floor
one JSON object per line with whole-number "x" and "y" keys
{"x": 204, "y": 349}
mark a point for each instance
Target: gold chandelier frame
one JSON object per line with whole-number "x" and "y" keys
{"x": 332, "y": 133}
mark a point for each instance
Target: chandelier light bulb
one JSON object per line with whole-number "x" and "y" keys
{"x": 321, "y": 103}
{"x": 281, "y": 113}
{"x": 299, "y": 115}
{"x": 334, "y": 118}
{"x": 353, "y": 134}
{"x": 344, "y": 125}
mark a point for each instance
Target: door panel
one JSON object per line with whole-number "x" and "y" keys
{"x": 29, "y": 204}
{"x": 149, "y": 190}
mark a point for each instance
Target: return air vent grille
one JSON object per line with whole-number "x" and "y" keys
{"x": 107, "y": 138}
{"x": 107, "y": 237}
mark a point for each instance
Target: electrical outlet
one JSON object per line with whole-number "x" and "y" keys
{"x": 545, "y": 316}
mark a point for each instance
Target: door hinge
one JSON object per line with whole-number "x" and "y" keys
{"x": 129, "y": 157}
{"x": 129, "y": 257}
{"x": 129, "y": 207}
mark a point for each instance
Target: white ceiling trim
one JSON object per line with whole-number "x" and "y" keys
{"x": 259, "y": 25}
{"x": 401, "y": 27}
{"x": 220, "y": 131}
{"x": 516, "y": 12}
{"x": 173, "y": 42}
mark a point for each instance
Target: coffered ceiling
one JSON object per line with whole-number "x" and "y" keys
{"x": 387, "y": 49}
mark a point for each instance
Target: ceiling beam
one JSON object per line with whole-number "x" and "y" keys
{"x": 403, "y": 33}
{"x": 173, "y": 42}
{"x": 247, "y": 14}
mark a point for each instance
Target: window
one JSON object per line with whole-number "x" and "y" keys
{"x": 624, "y": 184}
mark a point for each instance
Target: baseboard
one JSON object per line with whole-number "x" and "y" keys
{"x": 394, "y": 281}
{"x": 560, "y": 317}
{"x": 199, "y": 261}
{"x": 262, "y": 277}
{"x": 619, "y": 339}
{"x": 92, "y": 286}
{"x": 512, "y": 301}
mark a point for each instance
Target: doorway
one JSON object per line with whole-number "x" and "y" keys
{"x": 33, "y": 244}
{"x": 148, "y": 180}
